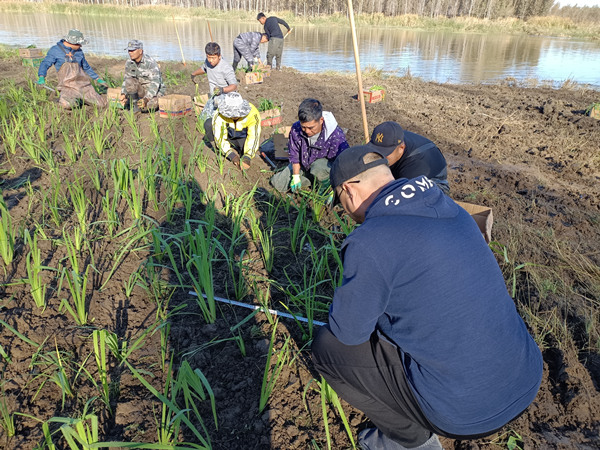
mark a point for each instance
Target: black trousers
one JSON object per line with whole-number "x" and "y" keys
{"x": 371, "y": 378}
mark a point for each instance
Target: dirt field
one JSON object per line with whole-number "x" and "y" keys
{"x": 531, "y": 154}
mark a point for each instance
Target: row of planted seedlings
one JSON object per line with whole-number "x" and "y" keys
{"x": 116, "y": 198}
{"x": 96, "y": 197}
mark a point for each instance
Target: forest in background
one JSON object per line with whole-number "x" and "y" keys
{"x": 482, "y": 9}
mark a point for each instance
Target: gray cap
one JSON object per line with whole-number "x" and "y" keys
{"x": 75, "y": 37}
{"x": 134, "y": 45}
{"x": 232, "y": 105}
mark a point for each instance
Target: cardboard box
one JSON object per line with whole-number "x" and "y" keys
{"x": 31, "y": 53}
{"x": 112, "y": 96}
{"x": 253, "y": 78}
{"x": 31, "y": 62}
{"x": 483, "y": 217}
{"x": 199, "y": 102}
{"x": 374, "y": 96}
{"x": 270, "y": 117}
{"x": 174, "y": 105}
{"x": 595, "y": 111}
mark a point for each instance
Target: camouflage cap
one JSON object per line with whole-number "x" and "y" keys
{"x": 232, "y": 105}
{"x": 75, "y": 37}
{"x": 134, "y": 44}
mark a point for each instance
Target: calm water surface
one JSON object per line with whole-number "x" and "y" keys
{"x": 435, "y": 56}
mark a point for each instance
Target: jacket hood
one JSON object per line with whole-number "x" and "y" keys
{"x": 413, "y": 197}
{"x": 330, "y": 123}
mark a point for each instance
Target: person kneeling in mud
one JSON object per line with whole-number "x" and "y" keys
{"x": 235, "y": 127}
{"x": 74, "y": 72}
{"x": 315, "y": 141}
{"x": 142, "y": 81}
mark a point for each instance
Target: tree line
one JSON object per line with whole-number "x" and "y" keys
{"x": 483, "y": 9}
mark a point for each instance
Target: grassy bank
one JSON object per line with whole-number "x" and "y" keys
{"x": 548, "y": 26}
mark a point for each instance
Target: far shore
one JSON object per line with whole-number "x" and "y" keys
{"x": 547, "y": 25}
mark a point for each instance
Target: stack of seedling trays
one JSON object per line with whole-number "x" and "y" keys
{"x": 31, "y": 56}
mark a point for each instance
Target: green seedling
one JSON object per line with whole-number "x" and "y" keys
{"x": 270, "y": 377}
{"x": 7, "y": 234}
{"x": 33, "y": 262}
{"x": 78, "y": 288}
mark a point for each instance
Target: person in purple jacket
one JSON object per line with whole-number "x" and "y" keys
{"x": 422, "y": 336}
{"x": 315, "y": 141}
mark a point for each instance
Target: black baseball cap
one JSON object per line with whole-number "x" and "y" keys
{"x": 350, "y": 163}
{"x": 386, "y": 137}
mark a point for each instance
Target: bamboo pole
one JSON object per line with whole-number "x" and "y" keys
{"x": 179, "y": 40}
{"x": 210, "y": 31}
{"x": 358, "y": 74}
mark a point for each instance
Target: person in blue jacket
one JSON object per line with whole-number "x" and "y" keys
{"x": 422, "y": 336}
{"x": 74, "y": 72}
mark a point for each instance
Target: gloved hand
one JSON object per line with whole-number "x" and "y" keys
{"x": 193, "y": 77}
{"x": 329, "y": 200}
{"x": 142, "y": 102}
{"x": 100, "y": 81}
{"x": 296, "y": 183}
{"x": 41, "y": 80}
{"x": 217, "y": 91}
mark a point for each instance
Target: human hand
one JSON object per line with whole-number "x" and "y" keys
{"x": 193, "y": 77}
{"x": 100, "y": 81}
{"x": 41, "y": 80}
{"x": 296, "y": 183}
{"x": 142, "y": 102}
{"x": 218, "y": 91}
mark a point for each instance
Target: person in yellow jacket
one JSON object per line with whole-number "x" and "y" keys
{"x": 235, "y": 129}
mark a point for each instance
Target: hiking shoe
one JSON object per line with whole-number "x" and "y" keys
{"x": 246, "y": 162}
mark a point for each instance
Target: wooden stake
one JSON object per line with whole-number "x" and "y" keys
{"x": 358, "y": 74}
{"x": 209, "y": 31}
{"x": 179, "y": 40}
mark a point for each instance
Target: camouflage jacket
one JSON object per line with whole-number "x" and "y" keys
{"x": 147, "y": 73}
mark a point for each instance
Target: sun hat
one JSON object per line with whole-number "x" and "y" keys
{"x": 350, "y": 163}
{"x": 134, "y": 44}
{"x": 232, "y": 105}
{"x": 386, "y": 137}
{"x": 75, "y": 37}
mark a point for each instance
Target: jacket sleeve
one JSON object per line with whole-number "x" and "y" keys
{"x": 154, "y": 80}
{"x": 361, "y": 299}
{"x": 48, "y": 61}
{"x": 127, "y": 74}
{"x": 220, "y": 134}
{"x": 336, "y": 143}
{"x": 253, "y": 138}
{"x": 88, "y": 69}
{"x": 294, "y": 145}
{"x": 284, "y": 23}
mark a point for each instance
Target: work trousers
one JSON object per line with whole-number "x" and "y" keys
{"x": 319, "y": 170}
{"x": 371, "y": 378}
{"x": 136, "y": 90}
{"x": 275, "y": 50}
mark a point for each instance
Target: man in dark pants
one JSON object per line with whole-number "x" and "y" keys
{"x": 410, "y": 154}
{"x": 271, "y": 25}
{"x": 422, "y": 334}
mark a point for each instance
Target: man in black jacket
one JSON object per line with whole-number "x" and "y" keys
{"x": 275, "y": 35}
{"x": 409, "y": 154}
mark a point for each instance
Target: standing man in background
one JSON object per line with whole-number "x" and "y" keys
{"x": 275, "y": 49}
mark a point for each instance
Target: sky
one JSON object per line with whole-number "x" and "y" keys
{"x": 579, "y": 2}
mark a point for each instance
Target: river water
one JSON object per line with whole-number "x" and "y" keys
{"x": 434, "y": 56}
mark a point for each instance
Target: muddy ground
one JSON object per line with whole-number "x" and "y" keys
{"x": 529, "y": 153}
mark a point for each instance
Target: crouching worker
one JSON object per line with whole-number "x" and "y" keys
{"x": 235, "y": 129}
{"x": 410, "y": 154}
{"x": 221, "y": 77}
{"x": 248, "y": 45}
{"x": 315, "y": 141}
{"x": 142, "y": 81}
{"x": 74, "y": 72}
{"x": 423, "y": 336}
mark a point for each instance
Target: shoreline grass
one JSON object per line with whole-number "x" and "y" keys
{"x": 537, "y": 26}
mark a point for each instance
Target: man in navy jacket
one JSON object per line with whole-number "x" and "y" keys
{"x": 273, "y": 31}
{"x": 423, "y": 336}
